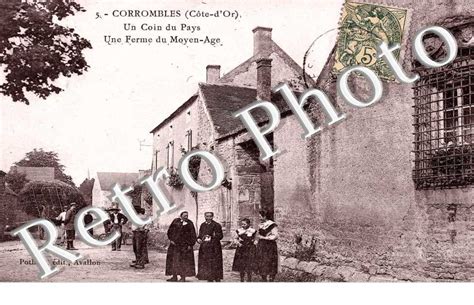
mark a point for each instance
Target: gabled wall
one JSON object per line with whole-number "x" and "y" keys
{"x": 192, "y": 118}
{"x": 363, "y": 210}
{"x": 282, "y": 72}
{"x": 97, "y": 200}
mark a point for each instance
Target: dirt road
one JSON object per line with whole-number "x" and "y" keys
{"x": 97, "y": 265}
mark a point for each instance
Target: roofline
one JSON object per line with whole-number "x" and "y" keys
{"x": 292, "y": 63}
{"x": 295, "y": 65}
{"x": 176, "y": 112}
{"x": 283, "y": 114}
{"x": 206, "y": 110}
{"x": 320, "y": 79}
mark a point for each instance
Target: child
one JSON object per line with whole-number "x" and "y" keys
{"x": 245, "y": 252}
{"x": 267, "y": 250}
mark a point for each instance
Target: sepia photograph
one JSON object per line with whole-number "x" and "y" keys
{"x": 237, "y": 141}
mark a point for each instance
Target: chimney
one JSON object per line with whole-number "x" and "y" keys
{"x": 264, "y": 79}
{"x": 262, "y": 41}
{"x": 213, "y": 73}
{"x": 2, "y": 182}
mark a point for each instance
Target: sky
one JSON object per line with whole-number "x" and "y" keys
{"x": 96, "y": 123}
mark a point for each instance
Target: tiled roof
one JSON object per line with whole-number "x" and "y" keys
{"x": 107, "y": 180}
{"x": 223, "y": 100}
{"x": 228, "y": 78}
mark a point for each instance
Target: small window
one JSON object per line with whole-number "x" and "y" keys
{"x": 188, "y": 116}
{"x": 170, "y": 155}
{"x": 189, "y": 138}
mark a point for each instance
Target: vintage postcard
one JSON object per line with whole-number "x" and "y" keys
{"x": 226, "y": 141}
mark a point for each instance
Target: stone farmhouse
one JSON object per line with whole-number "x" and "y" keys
{"x": 388, "y": 193}
{"x": 385, "y": 195}
{"x": 205, "y": 121}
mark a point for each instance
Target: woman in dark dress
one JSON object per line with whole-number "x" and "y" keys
{"x": 210, "y": 262}
{"x": 245, "y": 252}
{"x": 267, "y": 252}
{"x": 180, "y": 256}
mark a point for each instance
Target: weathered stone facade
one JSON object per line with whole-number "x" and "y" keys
{"x": 356, "y": 201}
{"x": 344, "y": 199}
{"x": 249, "y": 183}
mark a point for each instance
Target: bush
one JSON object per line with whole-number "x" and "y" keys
{"x": 291, "y": 276}
{"x": 158, "y": 240}
{"x": 305, "y": 250}
{"x": 174, "y": 179}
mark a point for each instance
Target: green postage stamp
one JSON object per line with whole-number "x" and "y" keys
{"x": 363, "y": 27}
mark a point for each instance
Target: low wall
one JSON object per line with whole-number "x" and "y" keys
{"x": 347, "y": 273}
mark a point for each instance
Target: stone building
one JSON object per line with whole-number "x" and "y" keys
{"x": 103, "y": 184}
{"x": 384, "y": 195}
{"x": 387, "y": 193}
{"x": 205, "y": 121}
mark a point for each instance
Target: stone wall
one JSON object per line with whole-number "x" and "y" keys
{"x": 292, "y": 187}
{"x": 220, "y": 200}
{"x": 249, "y": 181}
{"x": 175, "y": 131}
{"x": 364, "y": 214}
{"x": 281, "y": 72}
{"x": 243, "y": 199}
{"x": 11, "y": 213}
{"x": 321, "y": 273}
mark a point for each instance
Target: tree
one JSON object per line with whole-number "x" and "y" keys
{"x": 35, "y": 50}
{"x": 41, "y": 158}
{"x": 16, "y": 180}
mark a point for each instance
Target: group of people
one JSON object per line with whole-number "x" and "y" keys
{"x": 65, "y": 223}
{"x": 256, "y": 249}
{"x": 139, "y": 239}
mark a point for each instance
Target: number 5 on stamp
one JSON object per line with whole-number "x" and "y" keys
{"x": 363, "y": 27}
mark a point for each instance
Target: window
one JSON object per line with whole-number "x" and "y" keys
{"x": 444, "y": 124}
{"x": 188, "y": 116}
{"x": 156, "y": 159}
{"x": 170, "y": 155}
{"x": 189, "y": 137}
